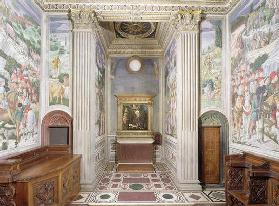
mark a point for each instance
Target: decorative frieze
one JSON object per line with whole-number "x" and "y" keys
{"x": 135, "y": 10}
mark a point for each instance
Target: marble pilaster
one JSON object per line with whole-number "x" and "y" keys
{"x": 187, "y": 24}
{"x": 84, "y": 66}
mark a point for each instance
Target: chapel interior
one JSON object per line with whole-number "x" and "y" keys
{"x": 148, "y": 102}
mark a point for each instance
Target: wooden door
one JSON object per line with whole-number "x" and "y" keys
{"x": 211, "y": 155}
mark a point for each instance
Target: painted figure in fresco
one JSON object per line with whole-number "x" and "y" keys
{"x": 238, "y": 110}
{"x": 55, "y": 66}
{"x": 56, "y": 92}
{"x": 18, "y": 119}
{"x": 246, "y": 116}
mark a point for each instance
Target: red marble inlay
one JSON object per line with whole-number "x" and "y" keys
{"x": 166, "y": 180}
{"x": 136, "y": 180}
{"x": 114, "y": 186}
{"x": 105, "y": 180}
{"x": 116, "y": 180}
{"x": 157, "y": 186}
{"x": 136, "y": 196}
{"x": 154, "y": 175}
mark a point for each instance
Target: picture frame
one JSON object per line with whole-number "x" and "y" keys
{"x": 134, "y": 115}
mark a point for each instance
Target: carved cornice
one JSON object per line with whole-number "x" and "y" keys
{"x": 134, "y": 10}
{"x": 187, "y": 21}
{"x": 83, "y": 19}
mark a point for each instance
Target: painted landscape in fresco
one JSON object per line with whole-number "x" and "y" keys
{"x": 59, "y": 60}
{"x": 20, "y": 45}
{"x": 170, "y": 90}
{"x": 100, "y": 89}
{"x": 211, "y": 64}
{"x": 255, "y": 64}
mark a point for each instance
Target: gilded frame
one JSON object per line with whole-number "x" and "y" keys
{"x": 143, "y": 101}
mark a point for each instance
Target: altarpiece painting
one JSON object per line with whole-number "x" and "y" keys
{"x": 135, "y": 115}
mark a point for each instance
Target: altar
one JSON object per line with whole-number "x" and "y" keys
{"x": 134, "y": 131}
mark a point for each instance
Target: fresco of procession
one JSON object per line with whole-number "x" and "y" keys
{"x": 20, "y": 45}
{"x": 255, "y": 66}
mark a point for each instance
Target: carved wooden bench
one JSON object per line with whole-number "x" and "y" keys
{"x": 48, "y": 175}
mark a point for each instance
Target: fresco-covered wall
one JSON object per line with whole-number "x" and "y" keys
{"x": 211, "y": 64}
{"x": 100, "y": 88}
{"x": 170, "y": 105}
{"x": 59, "y": 60}
{"x": 254, "y": 43}
{"x": 20, "y": 50}
{"x": 170, "y": 89}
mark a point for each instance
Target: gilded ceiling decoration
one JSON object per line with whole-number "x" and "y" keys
{"x": 135, "y": 30}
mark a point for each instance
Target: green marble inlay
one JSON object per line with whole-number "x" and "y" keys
{"x": 105, "y": 196}
{"x": 136, "y": 186}
{"x": 167, "y": 196}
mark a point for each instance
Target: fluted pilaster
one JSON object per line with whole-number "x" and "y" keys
{"x": 187, "y": 24}
{"x": 84, "y": 66}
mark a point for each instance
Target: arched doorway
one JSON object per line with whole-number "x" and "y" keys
{"x": 215, "y": 119}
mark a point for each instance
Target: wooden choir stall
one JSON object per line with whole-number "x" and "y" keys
{"x": 48, "y": 175}
{"x": 251, "y": 180}
{"x": 134, "y": 133}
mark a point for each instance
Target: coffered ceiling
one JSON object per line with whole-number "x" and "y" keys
{"x": 141, "y": 27}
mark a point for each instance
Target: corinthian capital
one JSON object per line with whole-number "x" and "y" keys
{"x": 83, "y": 19}
{"x": 187, "y": 20}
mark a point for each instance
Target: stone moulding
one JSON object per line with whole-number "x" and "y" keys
{"x": 145, "y": 7}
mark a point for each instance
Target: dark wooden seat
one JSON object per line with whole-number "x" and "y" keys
{"x": 48, "y": 175}
{"x": 251, "y": 180}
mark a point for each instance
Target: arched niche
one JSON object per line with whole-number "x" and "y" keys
{"x": 216, "y": 119}
{"x": 60, "y": 123}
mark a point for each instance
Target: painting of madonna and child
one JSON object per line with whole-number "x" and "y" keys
{"x": 255, "y": 66}
{"x": 135, "y": 117}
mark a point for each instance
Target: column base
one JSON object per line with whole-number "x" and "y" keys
{"x": 88, "y": 187}
{"x": 189, "y": 187}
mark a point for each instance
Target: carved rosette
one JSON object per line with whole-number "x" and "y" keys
{"x": 7, "y": 192}
{"x": 187, "y": 21}
{"x": 83, "y": 19}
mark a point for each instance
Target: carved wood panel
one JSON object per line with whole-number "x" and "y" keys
{"x": 232, "y": 201}
{"x": 235, "y": 178}
{"x": 275, "y": 193}
{"x": 7, "y": 192}
{"x": 258, "y": 191}
{"x": 46, "y": 192}
{"x": 56, "y": 118}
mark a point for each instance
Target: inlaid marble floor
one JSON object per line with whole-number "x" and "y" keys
{"x": 115, "y": 188}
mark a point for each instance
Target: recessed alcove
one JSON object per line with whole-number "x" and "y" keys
{"x": 57, "y": 129}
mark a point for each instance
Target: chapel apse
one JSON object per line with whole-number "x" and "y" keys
{"x": 20, "y": 56}
{"x": 254, "y": 83}
{"x": 143, "y": 82}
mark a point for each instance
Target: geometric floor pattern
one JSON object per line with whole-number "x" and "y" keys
{"x": 116, "y": 188}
